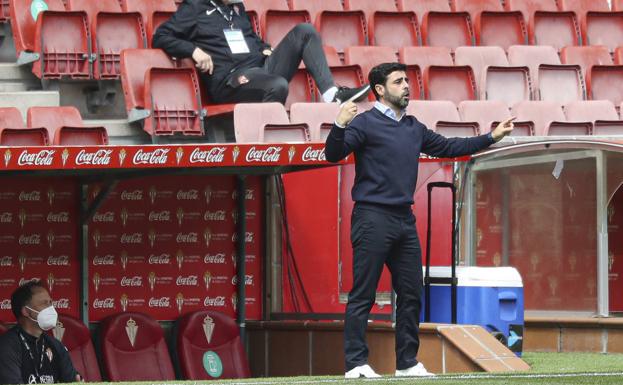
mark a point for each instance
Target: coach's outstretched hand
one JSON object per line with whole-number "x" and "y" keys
{"x": 503, "y": 129}
{"x": 347, "y": 112}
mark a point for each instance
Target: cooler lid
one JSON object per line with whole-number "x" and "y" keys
{"x": 480, "y": 276}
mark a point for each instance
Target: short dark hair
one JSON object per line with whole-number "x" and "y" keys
{"x": 379, "y": 74}
{"x": 22, "y": 295}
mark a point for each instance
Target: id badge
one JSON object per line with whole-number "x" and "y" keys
{"x": 236, "y": 41}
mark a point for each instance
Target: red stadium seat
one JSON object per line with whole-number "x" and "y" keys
{"x": 549, "y": 119}
{"x": 5, "y": 11}
{"x": 494, "y": 26}
{"x": 387, "y": 27}
{"x": 368, "y": 57}
{"x": 617, "y": 5}
{"x": 455, "y": 84}
{"x": 77, "y": 339}
{"x": 602, "y": 113}
{"x": 343, "y": 75}
{"x": 24, "y": 28}
{"x": 532, "y": 57}
{"x": 338, "y": 28}
{"x": 203, "y": 331}
{"x": 315, "y": 115}
{"x": 13, "y": 131}
{"x": 134, "y": 65}
{"x": 301, "y": 88}
{"x": 250, "y": 119}
{"x": 172, "y": 96}
{"x": 65, "y": 127}
{"x": 425, "y": 57}
{"x": 154, "y": 12}
{"x": 561, "y": 83}
{"x": 586, "y": 57}
{"x": 618, "y": 55}
{"x": 112, "y": 31}
{"x": 489, "y": 113}
{"x": 275, "y": 24}
{"x": 599, "y": 25}
{"x": 421, "y": 8}
{"x": 447, "y": 29}
{"x": 556, "y": 29}
{"x": 529, "y": 7}
{"x": 130, "y": 338}
{"x": 495, "y": 79}
{"x": 603, "y": 83}
{"x": 431, "y": 112}
{"x": 44, "y": 42}
{"x": 286, "y": 133}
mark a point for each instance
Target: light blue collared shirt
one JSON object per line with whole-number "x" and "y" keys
{"x": 387, "y": 111}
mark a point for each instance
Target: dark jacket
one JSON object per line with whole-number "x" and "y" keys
{"x": 387, "y": 154}
{"x": 197, "y": 23}
{"x": 18, "y": 367}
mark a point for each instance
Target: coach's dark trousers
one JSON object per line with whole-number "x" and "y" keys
{"x": 271, "y": 83}
{"x": 384, "y": 235}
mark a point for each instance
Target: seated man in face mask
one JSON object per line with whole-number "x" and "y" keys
{"x": 236, "y": 65}
{"x": 28, "y": 355}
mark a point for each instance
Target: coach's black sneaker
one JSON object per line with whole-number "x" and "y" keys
{"x": 345, "y": 94}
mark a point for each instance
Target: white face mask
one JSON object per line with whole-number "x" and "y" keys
{"x": 46, "y": 318}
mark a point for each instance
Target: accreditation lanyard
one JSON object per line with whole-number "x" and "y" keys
{"x": 32, "y": 356}
{"x": 229, "y": 19}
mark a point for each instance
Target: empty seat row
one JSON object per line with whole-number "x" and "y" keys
{"x": 269, "y": 122}
{"x": 128, "y": 338}
{"x": 83, "y": 39}
{"x": 440, "y": 23}
{"x": 48, "y": 125}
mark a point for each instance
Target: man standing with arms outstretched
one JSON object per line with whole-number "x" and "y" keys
{"x": 387, "y": 144}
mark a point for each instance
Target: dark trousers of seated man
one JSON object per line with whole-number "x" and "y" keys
{"x": 271, "y": 82}
{"x": 384, "y": 236}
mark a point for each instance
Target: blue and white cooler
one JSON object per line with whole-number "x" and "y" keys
{"x": 491, "y": 297}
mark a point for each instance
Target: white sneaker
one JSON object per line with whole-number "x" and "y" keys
{"x": 364, "y": 371}
{"x": 415, "y": 371}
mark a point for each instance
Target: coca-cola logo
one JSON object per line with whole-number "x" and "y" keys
{"x": 214, "y": 258}
{"x": 61, "y": 260}
{"x": 160, "y": 302}
{"x": 161, "y": 216}
{"x": 191, "y": 280}
{"x": 190, "y": 195}
{"x": 6, "y": 217}
{"x": 62, "y": 217}
{"x": 218, "y": 215}
{"x": 157, "y": 156}
{"x": 6, "y": 261}
{"x": 311, "y": 155}
{"x": 108, "y": 216}
{"x": 213, "y": 155}
{"x": 136, "y": 281}
{"x": 104, "y": 260}
{"x": 134, "y": 238}
{"x": 24, "y": 281}
{"x": 162, "y": 259}
{"x": 5, "y": 304}
{"x": 248, "y": 195}
{"x": 248, "y": 237}
{"x": 248, "y": 280}
{"x": 136, "y": 195}
{"x": 33, "y": 196}
{"x": 41, "y": 158}
{"x": 33, "y": 239}
{"x": 268, "y": 155}
{"x": 61, "y": 303}
{"x": 214, "y": 301}
{"x": 186, "y": 238}
{"x": 106, "y": 303}
{"x": 97, "y": 158}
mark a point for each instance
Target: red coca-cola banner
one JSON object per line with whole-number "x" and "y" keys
{"x": 39, "y": 240}
{"x": 167, "y": 247}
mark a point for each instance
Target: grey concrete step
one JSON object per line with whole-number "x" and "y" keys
{"x": 121, "y": 132}
{"x": 26, "y": 99}
{"x": 11, "y": 71}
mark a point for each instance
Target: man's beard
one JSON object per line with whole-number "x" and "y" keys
{"x": 400, "y": 102}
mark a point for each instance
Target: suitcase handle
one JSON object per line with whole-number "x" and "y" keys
{"x": 427, "y": 279}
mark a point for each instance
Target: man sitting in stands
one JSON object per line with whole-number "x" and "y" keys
{"x": 235, "y": 64}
